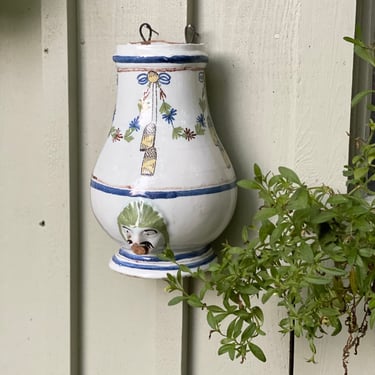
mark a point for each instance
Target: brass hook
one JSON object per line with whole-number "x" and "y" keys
{"x": 190, "y": 34}
{"x": 150, "y": 31}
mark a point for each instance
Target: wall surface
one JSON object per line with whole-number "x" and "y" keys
{"x": 279, "y": 88}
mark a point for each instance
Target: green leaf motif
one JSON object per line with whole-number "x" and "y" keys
{"x": 140, "y": 105}
{"x": 165, "y": 108}
{"x": 199, "y": 129}
{"x": 202, "y": 104}
{"x": 177, "y": 132}
{"x": 128, "y": 135}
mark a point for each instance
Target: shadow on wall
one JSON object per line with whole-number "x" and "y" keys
{"x": 226, "y": 110}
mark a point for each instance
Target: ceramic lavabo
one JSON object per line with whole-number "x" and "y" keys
{"x": 163, "y": 178}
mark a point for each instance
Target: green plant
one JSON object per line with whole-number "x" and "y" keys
{"x": 310, "y": 248}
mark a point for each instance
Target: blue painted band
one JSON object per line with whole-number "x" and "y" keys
{"x": 169, "y": 194}
{"x": 177, "y": 59}
{"x": 171, "y": 267}
{"x": 155, "y": 258}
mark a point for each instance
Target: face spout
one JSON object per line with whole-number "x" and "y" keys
{"x": 142, "y": 248}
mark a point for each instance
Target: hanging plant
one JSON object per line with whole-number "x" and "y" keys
{"x": 310, "y": 248}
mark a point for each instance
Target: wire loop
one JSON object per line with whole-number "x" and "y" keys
{"x": 191, "y": 34}
{"x": 150, "y": 32}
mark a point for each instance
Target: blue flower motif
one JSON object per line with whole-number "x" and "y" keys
{"x": 134, "y": 124}
{"x": 170, "y": 116}
{"x": 201, "y": 120}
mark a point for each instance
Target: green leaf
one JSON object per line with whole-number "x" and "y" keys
{"x": 317, "y": 280}
{"x": 194, "y": 301}
{"x": 266, "y": 296}
{"x": 212, "y": 322}
{"x": 278, "y": 232}
{"x": 215, "y": 309}
{"x": 230, "y": 328}
{"x": 364, "y": 53}
{"x": 176, "y": 300}
{"x": 245, "y": 234}
{"x": 248, "y": 332}
{"x": 312, "y": 346}
{"x": 265, "y": 213}
{"x": 306, "y": 253}
{"x": 184, "y": 269}
{"x": 372, "y": 319}
{"x": 322, "y": 217}
{"x": 360, "y": 172}
{"x": 298, "y": 200}
{"x": 258, "y": 313}
{"x": 358, "y": 97}
{"x": 169, "y": 254}
{"x": 337, "y": 199}
{"x": 249, "y": 184}
{"x": 354, "y": 41}
{"x": 334, "y": 271}
{"x": 336, "y": 325}
{"x": 257, "y": 171}
{"x": 220, "y": 317}
{"x": 248, "y": 289}
{"x": 328, "y": 311}
{"x": 257, "y": 351}
{"x": 237, "y": 328}
{"x": 290, "y": 175}
{"x": 227, "y": 348}
{"x": 367, "y": 252}
{"x": 265, "y": 230}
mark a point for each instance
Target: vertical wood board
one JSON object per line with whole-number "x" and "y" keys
{"x": 34, "y": 189}
{"x": 126, "y": 320}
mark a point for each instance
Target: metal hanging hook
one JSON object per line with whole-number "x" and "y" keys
{"x": 150, "y": 32}
{"x": 190, "y": 34}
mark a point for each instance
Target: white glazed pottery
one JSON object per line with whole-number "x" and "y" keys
{"x": 163, "y": 177}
